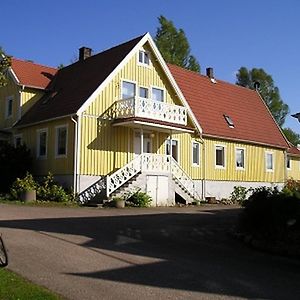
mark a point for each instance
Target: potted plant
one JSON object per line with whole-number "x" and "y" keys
{"x": 119, "y": 202}
{"x": 24, "y": 189}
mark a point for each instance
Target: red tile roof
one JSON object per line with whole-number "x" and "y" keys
{"x": 293, "y": 151}
{"x": 210, "y": 102}
{"x": 74, "y": 84}
{"x": 31, "y": 74}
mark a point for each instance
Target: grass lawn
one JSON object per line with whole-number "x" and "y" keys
{"x": 14, "y": 287}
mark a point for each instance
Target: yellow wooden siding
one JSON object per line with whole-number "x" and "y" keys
{"x": 28, "y": 98}
{"x": 105, "y": 148}
{"x": 294, "y": 171}
{"x": 57, "y": 166}
{"x": 11, "y": 89}
{"x": 255, "y": 164}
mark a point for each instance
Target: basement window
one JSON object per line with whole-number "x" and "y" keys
{"x": 229, "y": 121}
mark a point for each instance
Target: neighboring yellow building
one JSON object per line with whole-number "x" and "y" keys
{"x": 118, "y": 120}
{"x": 293, "y": 162}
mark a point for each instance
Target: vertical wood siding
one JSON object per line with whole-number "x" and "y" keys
{"x": 294, "y": 171}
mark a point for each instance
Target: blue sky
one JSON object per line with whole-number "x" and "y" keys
{"x": 223, "y": 34}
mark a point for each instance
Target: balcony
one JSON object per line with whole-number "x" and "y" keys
{"x": 137, "y": 107}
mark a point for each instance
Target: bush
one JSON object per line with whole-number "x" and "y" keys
{"x": 238, "y": 195}
{"x": 270, "y": 214}
{"x": 140, "y": 199}
{"x": 292, "y": 188}
{"x": 14, "y": 163}
{"x": 23, "y": 185}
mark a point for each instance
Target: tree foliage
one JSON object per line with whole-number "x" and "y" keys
{"x": 269, "y": 92}
{"x": 5, "y": 63}
{"x": 292, "y": 136}
{"x": 174, "y": 46}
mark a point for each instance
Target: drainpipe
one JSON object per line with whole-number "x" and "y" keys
{"x": 285, "y": 167}
{"x": 75, "y": 156}
{"x": 203, "y": 171}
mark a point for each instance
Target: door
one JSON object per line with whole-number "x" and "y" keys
{"x": 147, "y": 143}
{"x": 172, "y": 148}
{"x": 158, "y": 189}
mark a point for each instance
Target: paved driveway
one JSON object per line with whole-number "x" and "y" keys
{"x": 168, "y": 253}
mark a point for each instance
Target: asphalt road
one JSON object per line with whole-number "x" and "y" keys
{"x": 167, "y": 253}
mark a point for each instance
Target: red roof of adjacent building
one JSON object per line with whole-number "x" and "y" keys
{"x": 211, "y": 102}
{"x": 293, "y": 151}
{"x": 31, "y": 74}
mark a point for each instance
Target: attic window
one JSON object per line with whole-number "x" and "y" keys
{"x": 144, "y": 58}
{"x": 229, "y": 121}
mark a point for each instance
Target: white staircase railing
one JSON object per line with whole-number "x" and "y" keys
{"x": 155, "y": 163}
{"x": 95, "y": 189}
{"x": 121, "y": 176}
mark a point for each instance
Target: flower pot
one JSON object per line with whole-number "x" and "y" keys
{"x": 120, "y": 203}
{"x": 28, "y": 196}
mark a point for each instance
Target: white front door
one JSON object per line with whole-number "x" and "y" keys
{"x": 147, "y": 143}
{"x": 158, "y": 189}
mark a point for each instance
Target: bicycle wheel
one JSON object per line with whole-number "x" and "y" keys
{"x": 3, "y": 254}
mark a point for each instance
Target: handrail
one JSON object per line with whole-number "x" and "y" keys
{"x": 93, "y": 190}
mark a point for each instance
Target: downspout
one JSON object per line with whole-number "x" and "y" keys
{"x": 75, "y": 156}
{"x": 285, "y": 167}
{"x": 203, "y": 171}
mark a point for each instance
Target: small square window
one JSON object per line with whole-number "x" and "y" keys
{"x": 144, "y": 57}
{"x": 220, "y": 156}
{"x": 157, "y": 94}
{"x": 144, "y": 92}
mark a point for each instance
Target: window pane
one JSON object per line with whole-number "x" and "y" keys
{"x": 128, "y": 90}
{"x": 240, "y": 158}
{"x": 269, "y": 161}
{"x": 62, "y": 141}
{"x": 143, "y": 92}
{"x": 141, "y": 56}
{"x": 18, "y": 141}
{"x": 196, "y": 153}
{"x": 157, "y": 94}
{"x": 43, "y": 143}
{"x": 288, "y": 163}
{"x": 146, "y": 58}
{"x": 220, "y": 156}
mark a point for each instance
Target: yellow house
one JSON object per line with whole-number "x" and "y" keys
{"x": 293, "y": 162}
{"x": 123, "y": 119}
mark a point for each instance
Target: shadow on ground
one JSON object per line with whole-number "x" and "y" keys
{"x": 193, "y": 252}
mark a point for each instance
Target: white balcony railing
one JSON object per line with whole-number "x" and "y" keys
{"x": 150, "y": 109}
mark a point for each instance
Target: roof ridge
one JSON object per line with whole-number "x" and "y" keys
{"x": 34, "y": 63}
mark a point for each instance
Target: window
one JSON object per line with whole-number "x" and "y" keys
{"x": 18, "y": 140}
{"x": 196, "y": 153}
{"x": 229, "y": 121}
{"x": 144, "y": 57}
{"x": 157, "y": 94}
{"x": 9, "y": 106}
{"x": 172, "y": 149}
{"x": 61, "y": 141}
{"x": 143, "y": 92}
{"x": 220, "y": 156}
{"x": 288, "y": 163}
{"x": 269, "y": 161}
{"x": 128, "y": 90}
{"x": 41, "y": 143}
{"x": 240, "y": 158}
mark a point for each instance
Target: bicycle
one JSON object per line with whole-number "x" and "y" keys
{"x": 3, "y": 254}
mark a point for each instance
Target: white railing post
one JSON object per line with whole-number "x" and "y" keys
{"x": 107, "y": 185}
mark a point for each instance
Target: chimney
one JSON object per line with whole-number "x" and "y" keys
{"x": 210, "y": 72}
{"x": 84, "y": 53}
{"x": 256, "y": 85}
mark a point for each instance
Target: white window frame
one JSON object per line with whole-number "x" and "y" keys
{"x": 129, "y": 81}
{"x": 146, "y": 88}
{"x": 215, "y": 156}
{"x": 266, "y": 161}
{"x": 193, "y": 163}
{"x": 8, "y": 99}
{"x": 56, "y": 141}
{"x": 142, "y": 63}
{"x": 158, "y": 88}
{"x": 244, "y": 165}
{"x": 38, "y": 141}
{"x": 18, "y": 136}
{"x": 178, "y": 145}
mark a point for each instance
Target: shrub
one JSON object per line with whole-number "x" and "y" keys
{"x": 238, "y": 195}
{"x": 14, "y": 163}
{"x": 292, "y": 188}
{"x": 23, "y": 185}
{"x": 49, "y": 190}
{"x": 140, "y": 199}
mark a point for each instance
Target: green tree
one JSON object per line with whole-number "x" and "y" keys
{"x": 5, "y": 63}
{"x": 174, "y": 46}
{"x": 292, "y": 136}
{"x": 269, "y": 92}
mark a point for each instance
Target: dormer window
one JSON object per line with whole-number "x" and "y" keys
{"x": 144, "y": 58}
{"x": 229, "y": 121}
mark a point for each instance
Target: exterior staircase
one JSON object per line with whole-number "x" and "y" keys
{"x": 127, "y": 179}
